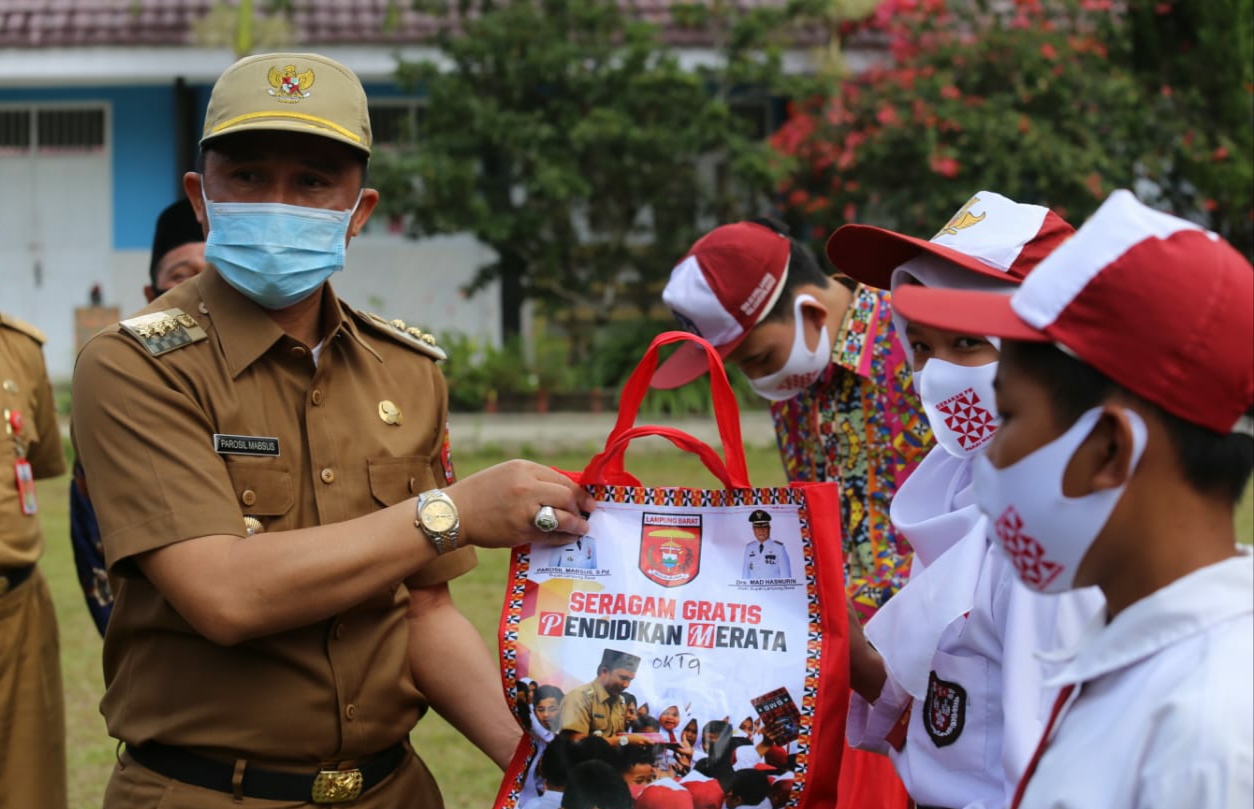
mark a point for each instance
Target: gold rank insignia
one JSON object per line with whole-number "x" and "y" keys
{"x": 411, "y": 336}
{"x": 160, "y": 332}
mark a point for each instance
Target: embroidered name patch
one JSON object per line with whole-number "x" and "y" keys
{"x": 944, "y": 710}
{"x": 245, "y": 445}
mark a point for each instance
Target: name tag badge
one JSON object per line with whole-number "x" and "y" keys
{"x": 245, "y": 445}
{"x": 25, "y": 486}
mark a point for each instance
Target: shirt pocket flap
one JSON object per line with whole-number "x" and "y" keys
{"x": 394, "y": 480}
{"x": 261, "y": 491}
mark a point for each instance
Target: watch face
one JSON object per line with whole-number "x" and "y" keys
{"x": 438, "y": 516}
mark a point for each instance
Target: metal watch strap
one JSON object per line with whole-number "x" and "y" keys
{"x": 446, "y": 541}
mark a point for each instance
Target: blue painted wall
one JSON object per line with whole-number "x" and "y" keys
{"x": 142, "y": 148}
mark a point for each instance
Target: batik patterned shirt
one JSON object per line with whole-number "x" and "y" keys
{"x": 861, "y": 425}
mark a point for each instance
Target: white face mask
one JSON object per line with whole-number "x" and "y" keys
{"x": 959, "y": 403}
{"x": 803, "y": 365}
{"x": 1045, "y": 533}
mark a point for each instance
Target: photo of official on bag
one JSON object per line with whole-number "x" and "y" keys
{"x": 691, "y": 611}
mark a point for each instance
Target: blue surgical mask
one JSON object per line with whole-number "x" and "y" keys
{"x": 273, "y": 253}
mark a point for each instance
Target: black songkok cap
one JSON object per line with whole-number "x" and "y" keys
{"x": 176, "y": 227}
{"x": 613, "y": 659}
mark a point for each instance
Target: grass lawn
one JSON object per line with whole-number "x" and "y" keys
{"x": 468, "y": 779}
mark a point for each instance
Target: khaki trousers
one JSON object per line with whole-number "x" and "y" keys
{"x": 133, "y": 786}
{"x": 32, "y": 702}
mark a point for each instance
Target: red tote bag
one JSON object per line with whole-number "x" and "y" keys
{"x": 727, "y": 625}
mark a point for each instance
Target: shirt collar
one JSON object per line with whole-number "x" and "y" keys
{"x": 858, "y": 334}
{"x": 1186, "y": 607}
{"x": 246, "y": 331}
{"x": 602, "y": 694}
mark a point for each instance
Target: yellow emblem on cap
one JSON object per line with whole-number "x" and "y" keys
{"x": 961, "y": 220}
{"x": 288, "y": 85}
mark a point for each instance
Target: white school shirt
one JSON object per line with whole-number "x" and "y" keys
{"x": 958, "y": 643}
{"x": 1163, "y": 715}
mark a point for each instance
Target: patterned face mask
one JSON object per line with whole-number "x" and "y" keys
{"x": 959, "y": 403}
{"x": 1043, "y": 532}
{"x": 803, "y": 365}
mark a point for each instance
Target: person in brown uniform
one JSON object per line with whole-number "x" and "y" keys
{"x": 597, "y": 708}
{"x": 268, "y": 466}
{"x": 32, "y": 705}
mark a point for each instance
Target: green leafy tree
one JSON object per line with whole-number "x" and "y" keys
{"x": 566, "y": 136}
{"x": 1042, "y": 100}
{"x": 238, "y": 26}
{"x": 1199, "y": 54}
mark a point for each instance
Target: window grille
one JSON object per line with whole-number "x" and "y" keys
{"x": 15, "y": 131}
{"x": 70, "y": 129}
{"x": 394, "y": 124}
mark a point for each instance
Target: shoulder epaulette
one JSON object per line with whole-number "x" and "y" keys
{"x": 415, "y": 338}
{"x": 30, "y": 331}
{"x": 160, "y": 332}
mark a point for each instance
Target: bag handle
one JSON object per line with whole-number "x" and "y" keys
{"x": 606, "y": 465}
{"x": 726, "y": 411}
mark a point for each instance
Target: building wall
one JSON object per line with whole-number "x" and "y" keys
{"x": 417, "y": 281}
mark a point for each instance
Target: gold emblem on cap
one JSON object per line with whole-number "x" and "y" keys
{"x": 961, "y": 220}
{"x": 288, "y": 85}
{"x": 390, "y": 413}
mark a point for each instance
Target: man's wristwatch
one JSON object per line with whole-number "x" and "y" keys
{"x": 438, "y": 519}
{"x": 623, "y": 741}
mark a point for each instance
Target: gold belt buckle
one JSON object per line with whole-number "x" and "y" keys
{"x": 337, "y": 786}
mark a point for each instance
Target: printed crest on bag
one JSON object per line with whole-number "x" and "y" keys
{"x": 670, "y": 548}
{"x": 944, "y": 710}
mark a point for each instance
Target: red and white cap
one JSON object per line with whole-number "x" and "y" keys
{"x": 664, "y": 794}
{"x": 724, "y": 287}
{"x": 707, "y": 793}
{"x": 1160, "y": 305}
{"x": 990, "y": 235}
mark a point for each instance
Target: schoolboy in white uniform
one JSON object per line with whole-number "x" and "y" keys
{"x": 954, "y": 695}
{"x": 1123, "y": 449}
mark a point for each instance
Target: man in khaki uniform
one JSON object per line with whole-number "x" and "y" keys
{"x": 267, "y": 465}
{"x": 597, "y": 708}
{"x": 32, "y": 708}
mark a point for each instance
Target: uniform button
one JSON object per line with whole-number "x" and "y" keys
{"x": 316, "y": 396}
{"x": 299, "y": 351}
{"x": 328, "y": 476}
{"x": 248, "y": 497}
{"x": 351, "y": 711}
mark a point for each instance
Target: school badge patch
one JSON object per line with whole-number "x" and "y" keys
{"x": 944, "y": 710}
{"x": 670, "y": 548}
